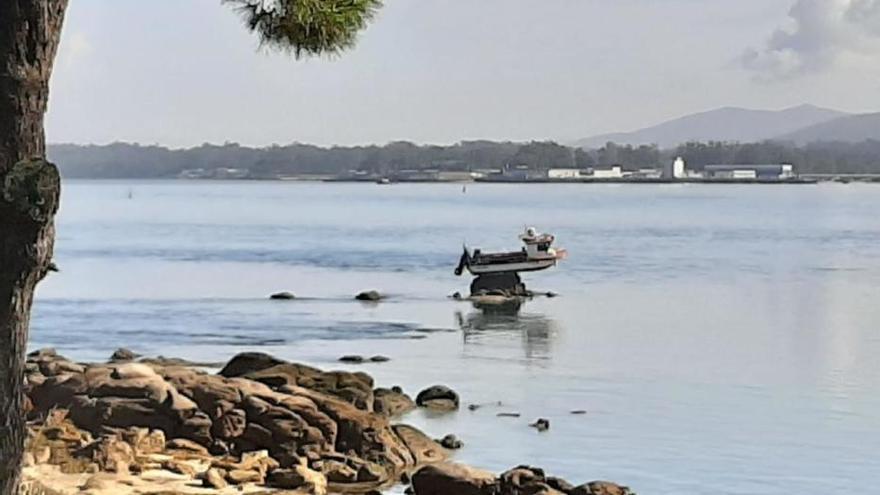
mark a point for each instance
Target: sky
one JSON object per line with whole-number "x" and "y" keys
{"x": 180, "y": 73}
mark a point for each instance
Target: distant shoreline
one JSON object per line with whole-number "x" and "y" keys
{"x": 582, "y": 181}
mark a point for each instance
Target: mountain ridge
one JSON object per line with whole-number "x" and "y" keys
{"x": 722, "y": 124}
{"x": 849, "y": 129}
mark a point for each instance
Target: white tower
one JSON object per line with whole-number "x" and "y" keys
{"x": 679, "y": 168}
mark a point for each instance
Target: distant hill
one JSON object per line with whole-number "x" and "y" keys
{"x": 723, "y": 124}
{"x": 850, "y": 129}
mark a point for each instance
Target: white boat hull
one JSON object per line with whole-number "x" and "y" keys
{"x": 525, "y": 266}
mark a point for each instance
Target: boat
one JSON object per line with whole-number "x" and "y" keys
{"x": 537, "y": 254}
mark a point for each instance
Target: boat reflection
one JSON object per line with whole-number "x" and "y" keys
{"x": 499, "y": 324}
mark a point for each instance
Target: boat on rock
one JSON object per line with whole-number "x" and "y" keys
{"x": 499, "y": 272}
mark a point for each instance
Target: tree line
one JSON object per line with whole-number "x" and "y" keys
{"x": 122, "y": 160}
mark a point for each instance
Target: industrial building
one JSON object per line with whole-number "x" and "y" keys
{"x": 750, "y": 172}
{"x": 564, "y": 173}
{"x": 615, "y": 172}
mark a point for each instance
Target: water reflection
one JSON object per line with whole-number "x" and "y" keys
{"x": 498, "y": 325}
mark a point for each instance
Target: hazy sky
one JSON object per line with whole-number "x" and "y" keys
{"x": 184, "y": 72}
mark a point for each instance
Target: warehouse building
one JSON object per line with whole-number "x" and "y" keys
{"x": 755, "y": 172}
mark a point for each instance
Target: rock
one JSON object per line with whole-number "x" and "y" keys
{"x": 508, "y": 415}
{"x": 559, "y": 484}
{"x": 600, "y": 488}
{"x": 540, "y": 489}
{"x": 213, "y": 478}
{"x": 339, "y": 472}
{"x": 502, "y": 284}
{"x": 423, "y": 449}
{"x": 187, "y": 446}
{"x": 451, "y": 442}
{"x": 392, "y": 403}
{"x": 179, "y": 467}
{"x": 438, "y": 397}
{"x": 259, "y": 461}
{"x": 579, "y": 412}
{"x": 370, "y": 473}
{"x": 133, "y": 371}
{"x": 379, "y": 359}
{"x": 248, "y": 362}
{"x": 298, "y": 477}
{"x": 352, "y": 359}
{"x": 147, "y": 441}
{"x": 370, "y": 295}
{"x": 541, "y": 424}
{"x": 60, "y": 367}
{"x": 230, "y": 425}
{"x": 44, "y": 353}
{"x": 523, "y": 480}
{"x": 97, "y": 482}
{"x": 29, "y": 460}
{"x": 282, "y": 296}
{"x": 123, "y": 354}
{"x": 242, "y": 476}
{"x": 275, "y": 415}
{"x": 163, "y": 362}
{"x": 449, "y": 478}
{"x": 111, "y": 454}
{"x": 42, "y": 455}
{"x": 355, "y": 388}
{"x": 519, "y": 477}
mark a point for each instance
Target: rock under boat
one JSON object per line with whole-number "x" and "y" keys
{"x": 499, "y": 272}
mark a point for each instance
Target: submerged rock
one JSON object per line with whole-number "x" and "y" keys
{"x": 451, "y": 442}
{"x": 506, "y": 284}
{"x": 123, "y": 354}
{"x": 354, "y": 359}
{"x": 439, "y": 397}
{"x": 283, "y": 296}
{"x": 370, "y": 295}
{"x": 541, "y": 424}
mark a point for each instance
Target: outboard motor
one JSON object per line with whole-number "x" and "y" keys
{"x": 463, "y": 263}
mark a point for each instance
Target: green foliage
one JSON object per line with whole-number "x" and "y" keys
{"x": 544, "y": 155}
{"x": 133, "y": 161}
{"x": 643, "y": 156}
{"x": 307, "y": 27}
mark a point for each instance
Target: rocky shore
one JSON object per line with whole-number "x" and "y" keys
{"x": 260, "y": 425}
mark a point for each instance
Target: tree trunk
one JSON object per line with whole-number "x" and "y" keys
{"x": 29, "y": 191}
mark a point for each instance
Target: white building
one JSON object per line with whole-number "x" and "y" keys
{"x": 675, "y": 170}
{"x": 679, "y": 168}
{"x": 762, "y": 172}
{"x": 563, "y": 173}
{"x": 615, "y": 172}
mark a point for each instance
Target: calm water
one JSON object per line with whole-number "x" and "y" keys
{"x": 723, "y": 339}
